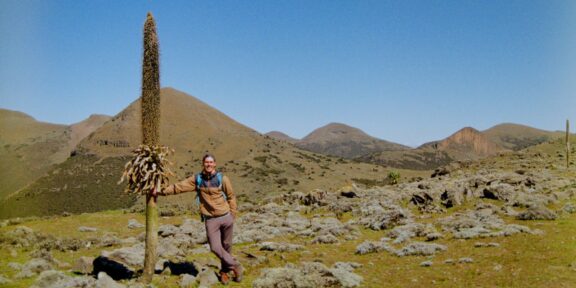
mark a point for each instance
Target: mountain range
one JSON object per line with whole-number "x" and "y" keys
{"x": 85, "y": 178}
{"x": 49, "y": 168}
{"x": 468, "y": 143}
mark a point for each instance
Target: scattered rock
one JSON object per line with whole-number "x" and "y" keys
{"x": 87, "y": 229}
{"x": 426, "y": 264}
{"x": 482, "y": 244}
{"x": 33, "y": 267}
{"x": 57, "y": 279}
{"x": 569, "y": 207}
{"x": 187, "y": 281}
{"x": 83, "y": 265}
{"x": 310, "y": 274}
{"x": 131, "y": 256}
{"x": 325, "y": 239}
{"x": 465, "y": 260}
{"x": 371, "y": 247}
{"x": 280, "y": 247}
{"x": 4, "y": 280}
{"x": 206, "y": 278}
{"x": 134, "y": 224}
{"x": 107, "y": 281}
{"x": 419, "y": 249}
{"x": 537, "y": 213}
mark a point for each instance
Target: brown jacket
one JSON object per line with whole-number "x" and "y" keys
{"x": 212, "y": 202}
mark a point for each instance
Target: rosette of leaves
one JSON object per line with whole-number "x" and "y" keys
{"x": 148, "y": 169}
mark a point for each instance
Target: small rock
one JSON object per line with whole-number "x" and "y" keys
{"x": 134, "y": 224}
{"x": 537, "y": 213}
{"x": 206, "y": 278}
{"x": 426, "y": 264}
{"x": 83, "y": 265}
{"x": 187, "y": 281}
{"x": 325, "y": 239}
{"x": 106, "y": 281}
{"x": 4, "y": 280}
{"x": 570, "y": 208}
{"x": 465, "y": 260}
{"x": 87, "y": 229}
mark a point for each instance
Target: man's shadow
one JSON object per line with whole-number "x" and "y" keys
{"x": 180, "y": 268}
{"x": 118, "y": 271}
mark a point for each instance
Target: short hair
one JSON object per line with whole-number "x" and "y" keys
{"x": 208, "y": 156}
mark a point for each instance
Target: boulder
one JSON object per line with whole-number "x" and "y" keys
{"x": 537, "y": 213}
{"x": 83, "y": 265}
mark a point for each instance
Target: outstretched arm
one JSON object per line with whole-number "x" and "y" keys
{"x": 186, "y": 185}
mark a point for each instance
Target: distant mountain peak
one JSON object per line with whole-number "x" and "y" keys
{"x": 345, "y": 141}
{"x": 470, "y": 143}
{"x": 281, "y": 136}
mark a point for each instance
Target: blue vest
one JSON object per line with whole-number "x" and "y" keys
{"x": 200, "y": 181}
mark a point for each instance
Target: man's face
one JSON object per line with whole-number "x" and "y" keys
{"x": 209, "y": 165}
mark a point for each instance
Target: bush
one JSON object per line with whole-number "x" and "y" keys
{"x": 393, "y": 177}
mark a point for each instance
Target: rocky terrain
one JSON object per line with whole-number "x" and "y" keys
{"x": 506, "y": 220}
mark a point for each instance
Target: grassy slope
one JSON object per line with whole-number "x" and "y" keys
{"x": 522, "y": 260}
{"x": 258, "y": 165}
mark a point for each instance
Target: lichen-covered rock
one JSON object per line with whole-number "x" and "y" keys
{"x": 280, "y": 247}
{"x": 309, "y": 274}
{"x": 58, "y": 279}
{"x": 419, "y": 249}
{"x": 537, "y": 213}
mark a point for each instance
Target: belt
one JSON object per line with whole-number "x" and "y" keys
{"x": 206, "y": 217}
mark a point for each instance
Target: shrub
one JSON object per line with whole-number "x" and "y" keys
{"x": 393, "y": 177}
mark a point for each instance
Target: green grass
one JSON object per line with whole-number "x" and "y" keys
{"x": 522, "y": 260}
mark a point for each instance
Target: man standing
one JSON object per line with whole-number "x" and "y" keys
{"x": 218, "y": 210}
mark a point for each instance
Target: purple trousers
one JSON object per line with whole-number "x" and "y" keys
{"x": 219, "y": 232}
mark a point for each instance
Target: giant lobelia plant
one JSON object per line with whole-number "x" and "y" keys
{"x": 148, "y": 170}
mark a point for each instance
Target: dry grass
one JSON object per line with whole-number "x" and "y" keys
{"x": 522, "y": 260}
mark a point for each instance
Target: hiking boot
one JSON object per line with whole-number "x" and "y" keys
{"x": 237, "y": 273}
{"x": 224, "y": 278}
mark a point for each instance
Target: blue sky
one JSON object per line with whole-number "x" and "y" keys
{"x": 403, "y": 71}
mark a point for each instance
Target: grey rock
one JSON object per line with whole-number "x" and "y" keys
{"x": 325, "y": 239}
{"x": 420, "y": 249}
{"x": 346, "y": 277}
{"x": 482, "y": 244}
{"x": 372, "y": 247}
{"x": 57, "y": 279}
{"x": 569, "y": 207}
{"x": 129, "y": 256}
{"x": 310, "y": 274}
{"x": 426, "y": 264}
{"x": 537, "y": 213}
{"x": 23, "y": 236}
{"x": 134, "y": 224}
{"x": 15, "y": 266}
{"x": 348, "y": 266}
{"x": 87, "y": 229}
{"x": 168, "y": 230}
{"x": 83, "y": 265}
{"x": 108, "y": 240}
{"x": 465, "y": 260}
{"x": 4, "y": 280}
{"x": 206, "y": 278}
{"x": 280, "y": 247}
{"x": 296, "y": 221}
{"x": 33, "y": 267}
{"x": 187, "y": 281}
{"x": 105, "y": 281}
